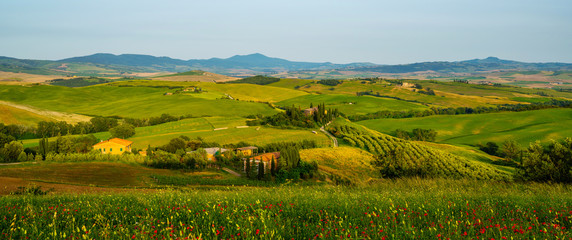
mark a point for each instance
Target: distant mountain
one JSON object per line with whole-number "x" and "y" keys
{"x": 254, "y": 62}
{"x": 134, "y": 60}
{"x": 468, "y": 66}
{"x": 105, "y": 64}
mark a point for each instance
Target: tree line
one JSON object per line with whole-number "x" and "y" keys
{"x": 94, "y": 125}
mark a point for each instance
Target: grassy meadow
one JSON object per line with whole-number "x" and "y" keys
{"x": 12, "y": 115}
{"x": 471, "y": 129}
{"x": 228, "y": 130}
{"x": 135, "y": 102}
{"x": 402, "y": 209}
{"x": 347, "y": 163}
{"x": 351, "y": 104}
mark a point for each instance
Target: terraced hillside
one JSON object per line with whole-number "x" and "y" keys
{"x": 398, "y": 157}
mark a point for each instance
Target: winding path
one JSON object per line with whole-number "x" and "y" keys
{"x": 334, "y": 139}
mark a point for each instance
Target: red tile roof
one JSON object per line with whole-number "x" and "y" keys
{"x": 267, "y": 156}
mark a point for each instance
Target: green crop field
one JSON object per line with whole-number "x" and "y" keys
{"x": 291, "y": 83}
{"x": 253, "y": 92}
{"x": 523, "y": 127}
{"x": 351, "y": 105}
{"x": 137, "y": 102}
{"x": 244, "y": 92}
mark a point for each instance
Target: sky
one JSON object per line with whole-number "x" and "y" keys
{"x": 377, "y": 31}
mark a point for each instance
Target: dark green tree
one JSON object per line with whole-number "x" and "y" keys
{"x": 273, "y": 167}
{"x": 122, "y": 131}
{"x": 247, "y": 169}
{"x": 174, "y": 145}
{"x": 260, "y": 170}
{"x": 511, "y": 150}
{"x": 4, "y": 138}
{"x": 11, "y": 151}
{"x": 43, "y": 148}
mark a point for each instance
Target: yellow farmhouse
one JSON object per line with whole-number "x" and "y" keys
{"x": 113, "y": 146}
{"x": 247, "y": 151}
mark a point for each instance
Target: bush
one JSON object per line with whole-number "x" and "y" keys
{"x": 31, "y": 190}
{"x": 11, "y": 151}
{"x": 491, "y": 148}
{"x": 162, "y": 159}
{"x": 550, "y": 164}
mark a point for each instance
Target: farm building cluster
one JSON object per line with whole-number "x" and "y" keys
{"x": 250, "y": 154}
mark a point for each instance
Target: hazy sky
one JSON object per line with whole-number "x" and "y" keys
{"x": 384, "y": 32}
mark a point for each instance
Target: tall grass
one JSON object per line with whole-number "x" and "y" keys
{"x": 402, "y": 209}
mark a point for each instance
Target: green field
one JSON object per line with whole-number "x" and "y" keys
{"x": 351, "y": 105}
{"x": 346, "y": 163}
{"x": 523, "y": 127}
{"x": 12, "y": 115}
{"x": 291, "y": 83}
{"x": 229, "y": 130}
{"x": 253, "y": 135}
{"x": 243, "y": 92}
{"x": 442, "y": 98}
{"x": 136, "y": 102}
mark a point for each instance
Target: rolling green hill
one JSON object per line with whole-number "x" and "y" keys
{"x": 226, "y": 132}
{"x": 136, "y": 102}
{"x": 229, "y": 130}
{"x": 523, "y": 127}
{"x": 351, "y": 105}
{"x": 12, "y": 115}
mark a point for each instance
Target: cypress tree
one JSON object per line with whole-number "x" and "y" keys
{"x": 247, "y": 170}
{"x": 260, "y": 170}
{"x": 43, "y": 147}
{"x": 273, "y": 167}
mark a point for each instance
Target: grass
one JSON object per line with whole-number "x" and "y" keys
{"x": 204, "y": 127}
{"x": 252, "y": 135}
{"x": 136, "y": 102}
{"x": 12, "y": 115}
{"x": 188, "y": 73}
{"x": 89, "y": 174}
{"x": 347, "y": 163}
{"x": 252, "y": 92}
{"x": 441, "y": 99}
{"x": 291, "y": 83}
{"x": 351, "y": 105}
{"x": 402, "y": 209}
{"x": 531, "y": 99}
{"x": 107, "y": 175}
{"x": 523, "y": 127}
